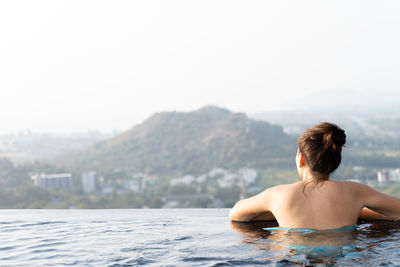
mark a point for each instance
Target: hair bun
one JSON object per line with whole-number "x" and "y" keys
{"x": 338, "y": 136}
{"x": 333, "y": 136}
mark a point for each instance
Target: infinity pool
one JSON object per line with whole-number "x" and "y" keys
{"x": 182, "y": 237}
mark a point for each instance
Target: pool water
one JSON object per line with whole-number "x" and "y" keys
{"x": 182, "y": 237}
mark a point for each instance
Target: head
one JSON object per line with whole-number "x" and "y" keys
{"x": 320, "y": 151}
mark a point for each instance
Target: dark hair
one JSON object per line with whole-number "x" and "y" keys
{"x": 321, "y": 145}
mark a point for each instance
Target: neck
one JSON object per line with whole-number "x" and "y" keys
{"x": 307, "y": 175}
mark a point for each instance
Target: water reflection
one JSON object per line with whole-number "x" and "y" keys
{"x": 314, "y": 247}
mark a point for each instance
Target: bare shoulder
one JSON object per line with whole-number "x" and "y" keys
{"x": 357, "y": 187}
{"x": 280, "y": 189}
{"x": 351, "y": 183}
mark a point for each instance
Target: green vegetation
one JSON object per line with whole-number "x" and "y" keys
{"x": 371, "y": 158}
{"x": 16, "y": 191}
{"x": 175, "y": 143}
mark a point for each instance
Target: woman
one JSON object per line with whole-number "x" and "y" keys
{"x": 317, "y": 202}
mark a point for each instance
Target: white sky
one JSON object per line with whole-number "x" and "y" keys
{"x": 78, "y": 65}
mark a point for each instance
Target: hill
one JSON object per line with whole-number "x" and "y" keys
{"x": 190, "y": 142}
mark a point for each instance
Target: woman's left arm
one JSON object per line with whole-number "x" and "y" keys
{"x": 253, "y": 208}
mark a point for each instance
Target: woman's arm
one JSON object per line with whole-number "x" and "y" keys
{"x": 380, "y": 206}
{"x": 267, "y": 216}
{"x": 253, "y": 208}
{"x": 367, "y": 214}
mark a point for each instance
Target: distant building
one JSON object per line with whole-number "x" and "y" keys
{"x": 248, "y": 176}
{"x": 89, "y": 182}
{"x": 386, "y": 176}
{"x": 202, "y": 178}
{"x": 217, "y": 171}
{"x": 53, "y": 181}
{"x": 383, "y": 177}
{"x": 228, "y": 180}
{"x": 187, "y": 180}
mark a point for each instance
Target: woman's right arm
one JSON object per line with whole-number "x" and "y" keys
{"x": 378, "y": 204}
{"x": 368, "y": 214}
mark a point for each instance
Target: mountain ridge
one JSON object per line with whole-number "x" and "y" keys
{"x": 190, "y": 142}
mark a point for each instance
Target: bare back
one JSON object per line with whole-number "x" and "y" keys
{"x": 328, "y": 205}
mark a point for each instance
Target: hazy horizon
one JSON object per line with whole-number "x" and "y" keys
{"x": 358, "y": 109}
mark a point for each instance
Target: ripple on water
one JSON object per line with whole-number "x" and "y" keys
{"x": 41, "y": 223}
{"x": 50, "y": 244}
{"x": 202, "y": 259}
{"x": 181, "y": 238}
{"x": 141, "y": 249}
{"x": 134, "y": 262}
{"x": 10, "y": 229}
{"x": 11, "y": 222}
{"x": 8, "y": 248}
{"x": 248, "y": 262}
{"x": 42, "y": 251}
